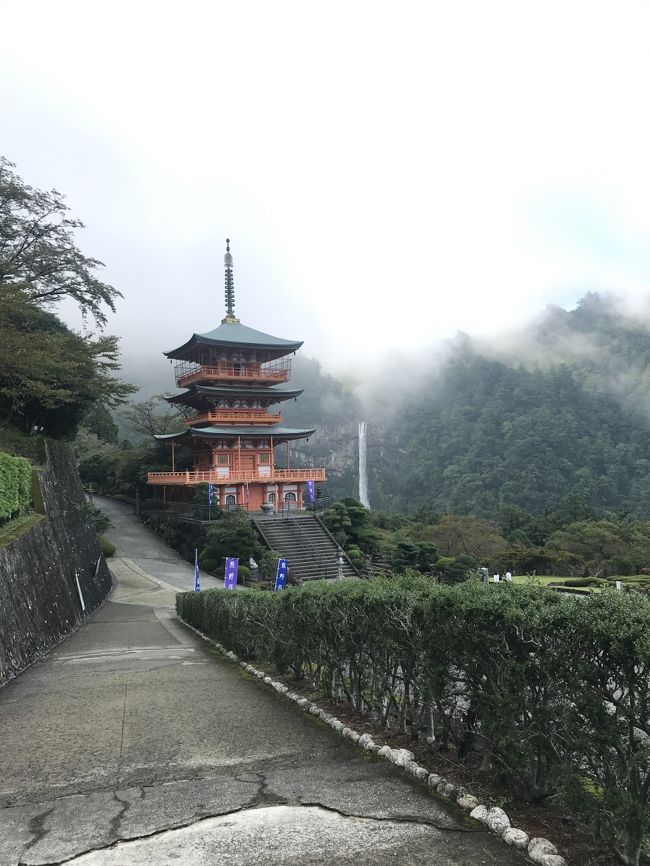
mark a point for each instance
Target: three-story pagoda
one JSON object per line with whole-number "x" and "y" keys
{"x": 231, "y": 376}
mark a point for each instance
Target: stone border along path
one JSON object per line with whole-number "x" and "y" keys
{"x": 540, "y": 851}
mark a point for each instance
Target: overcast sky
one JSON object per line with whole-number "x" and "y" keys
{"x": 388, "y": 173}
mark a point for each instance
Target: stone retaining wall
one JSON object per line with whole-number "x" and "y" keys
{"x": 39, "y": 600}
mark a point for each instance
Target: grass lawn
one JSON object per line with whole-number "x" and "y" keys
{"x": 545, "y": 579}
{"x": 542, "y": 579}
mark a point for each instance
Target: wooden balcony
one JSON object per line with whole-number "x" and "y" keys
{"x": 237, "y": 476}
{"x": 273, "y": 373}
{"x": 235, "y": 416}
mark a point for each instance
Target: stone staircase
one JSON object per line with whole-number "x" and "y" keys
{"x": 304, "y": 541}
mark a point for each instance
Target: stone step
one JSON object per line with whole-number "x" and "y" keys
{"x": 311, "y": 552}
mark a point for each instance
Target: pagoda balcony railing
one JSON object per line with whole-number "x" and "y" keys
{"x": 237, "y": 476}
{"x": 188, "y": 373}
{"x": 237, "y": 416}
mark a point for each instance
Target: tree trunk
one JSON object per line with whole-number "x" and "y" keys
{"x": 631, "y": 852}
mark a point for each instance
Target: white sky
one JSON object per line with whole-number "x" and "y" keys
{"x": 388, "y": 173}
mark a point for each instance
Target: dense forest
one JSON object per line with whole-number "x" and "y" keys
{"x": 565, "y": 414}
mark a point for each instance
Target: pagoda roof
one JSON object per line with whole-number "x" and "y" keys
{"x": 277, "y": 394}
{"x": 232, "y": 432}
{"x": 232, "y": 335}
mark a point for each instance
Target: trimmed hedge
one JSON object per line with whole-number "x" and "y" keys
{"x": 551, "y": 693}
{"x": 15, "y": 486}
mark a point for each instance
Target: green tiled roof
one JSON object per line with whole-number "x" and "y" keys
{"x": 235, "y": 334}
{"x": 275, "y": 394}
{"x": 229, "y": 432}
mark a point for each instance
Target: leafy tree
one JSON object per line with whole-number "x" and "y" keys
{"x": 605, "y": 546}
{"x": 456, "y": 569}
{"x": 50, "y": 376}
{"x": 38, "y": 253}
{"x": 404, "y": 554}
{"x": 97, "y": 419}
{"x": 153, "y": 417}
{"x": 350, "y": 524}
{"x": 231, "y": 535}
{"x": 457, "y": 534}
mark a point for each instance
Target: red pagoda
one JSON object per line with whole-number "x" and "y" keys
{"x": 231, "y": 375}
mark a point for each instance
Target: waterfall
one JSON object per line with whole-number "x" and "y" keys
{"x": 363, "y": 469}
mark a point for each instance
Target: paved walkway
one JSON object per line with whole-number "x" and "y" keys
{"x": 132, "y": 743}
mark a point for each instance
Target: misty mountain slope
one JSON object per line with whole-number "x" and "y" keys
{"x": 333, "y": 408}
{"x": 485, "y": 434}
{"x": 566, "y": 414}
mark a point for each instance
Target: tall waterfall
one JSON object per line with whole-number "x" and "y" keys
{"x": 363, "y": 469}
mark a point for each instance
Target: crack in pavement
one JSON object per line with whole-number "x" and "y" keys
{"x": 264, "y": 797}
{"x": 36, "y": 827}
{"x": 151, "y": 835}
{"x": 395, "y": 819}
{"x": 114, "y": 826}
{"x": 267, "y": 798}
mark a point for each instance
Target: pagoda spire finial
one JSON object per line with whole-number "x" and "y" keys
{"x": 230, "y": 288}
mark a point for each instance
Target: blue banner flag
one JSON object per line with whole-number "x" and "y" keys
{"x": 281, "y": 576}
{"x": 230, "y": 576}
{"x": 311, "y": 491}
{"x": 197, "y": 579}
{"x": 210, "y": 493}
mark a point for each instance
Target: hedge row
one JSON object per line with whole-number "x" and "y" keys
{"x": 15, "y": 486}
{"x": 550, "y": 693}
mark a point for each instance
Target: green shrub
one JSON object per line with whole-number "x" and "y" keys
{"x": 108, "y": 549}
{"x": 356, "y": 555}
{"x": 524, "y": 678}
{"x": 207, "y": 563}
{"x": 181, "y": 535}
{"x": 100, "y": 521}
{"x": 15, "y": 486}
{"x": 268, "y": 563}
{"x": 582, "y": 581}
{"x": 233, "y": 534}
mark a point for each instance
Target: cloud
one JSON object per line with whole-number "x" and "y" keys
{"x": 386, "y": 180}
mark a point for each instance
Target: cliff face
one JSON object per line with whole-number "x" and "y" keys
{"x": 334, "y": 446}
{"x": 39, "y": 600}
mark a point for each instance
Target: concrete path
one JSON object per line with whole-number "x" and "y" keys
{"x": 132, "y": 743}
{"x": 143, "y": 550}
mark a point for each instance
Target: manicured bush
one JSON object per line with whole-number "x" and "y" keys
{"x": 15, "y": 486}
{"x": 232, "y": 534}
{"x": 552, "y": 693}
{"x": 582, "y": 581}
{"x": 355, "y": 555}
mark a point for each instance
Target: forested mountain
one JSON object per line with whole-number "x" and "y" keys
{"x": 559, "y": 410}
{"x": 563, "y": 411}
